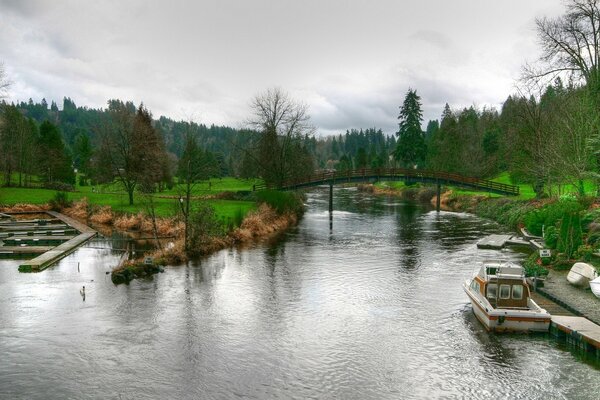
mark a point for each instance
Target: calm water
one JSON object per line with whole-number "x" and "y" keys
{"x": 372, "y": 309}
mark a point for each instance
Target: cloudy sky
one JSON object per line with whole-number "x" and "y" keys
{"x": 350, "y": 61}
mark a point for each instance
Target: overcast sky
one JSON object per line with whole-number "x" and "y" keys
{"x": 350, "y": 61}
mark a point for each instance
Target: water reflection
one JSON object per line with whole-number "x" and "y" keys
{"x": 369, "y": 308}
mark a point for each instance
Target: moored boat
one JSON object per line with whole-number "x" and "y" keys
{"x": 501, "y": 299}
{"x": 595, "y": 286}
{"x": 581, "y": 274}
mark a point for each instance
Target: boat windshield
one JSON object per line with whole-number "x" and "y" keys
{"x": 492, "y": 291}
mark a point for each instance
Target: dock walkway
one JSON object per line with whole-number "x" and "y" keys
{"x": 577, "y": 331}
{"x": 497, "y": 242}
{"x": 57, "y": 253}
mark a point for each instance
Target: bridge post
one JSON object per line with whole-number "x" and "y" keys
{"x": 438, "y": 200}
{"x": 330, "y": 197}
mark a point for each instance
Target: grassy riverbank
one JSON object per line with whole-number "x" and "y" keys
{"x": 233, "y": 214}
{"x": 217, "y": 192}
{"x": 569, "y": 224}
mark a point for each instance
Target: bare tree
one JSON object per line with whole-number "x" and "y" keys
{"x": 4, "y": 82}
{"x": 570, "y": 45}
{"x": 282, "y": 124}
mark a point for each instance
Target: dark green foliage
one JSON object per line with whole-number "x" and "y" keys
{"x": 551, "y": 237}
{"x": 549, "y": 215}
{"x": 410, "y": 148}
{"x": 533, "y": 267}
{"x": 585, "y": 253}
{"x": 570, "y": 237}
{"x": 504, "y": 211}
{"x": 53, "y": 159}
{"x": 60, "y": 201}
{"x": 82, "y": 151}
{"x": 282, "y": 202}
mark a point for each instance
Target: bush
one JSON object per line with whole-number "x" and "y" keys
{"x": 551, "y": 237}
{"x": 549, "y": 215}
{"x": 585, "y": 253}
{"x": 203, "y": 225}
{"x": 60, "y": 201}
{"x": 569, "y": 238}
{"x": 282, "y": 202}
{"x": 532, "y": 266}
{"x": 504, "y": 211}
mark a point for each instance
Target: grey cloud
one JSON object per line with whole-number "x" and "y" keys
{"x": 434, "y": 38}
{"x": 351, "y": 61}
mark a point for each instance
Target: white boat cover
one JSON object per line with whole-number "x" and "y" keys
{"x": 581, "y": 274}
{"x": 595, "y": 286}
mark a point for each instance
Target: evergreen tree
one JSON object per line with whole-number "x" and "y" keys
{"x": 411, "y": 148}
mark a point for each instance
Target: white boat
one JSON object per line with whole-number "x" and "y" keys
{"x": 595, "y": 286}
{"x": 501, "y": 299}
{"x": 581, "y": 274}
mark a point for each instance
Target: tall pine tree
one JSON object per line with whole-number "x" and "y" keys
{"x": 410, "y": 149}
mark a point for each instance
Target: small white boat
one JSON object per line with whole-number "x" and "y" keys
{"x": 501, "y": 299}
{"x": 595, "y": 286}
{"x": 581, "y": 274}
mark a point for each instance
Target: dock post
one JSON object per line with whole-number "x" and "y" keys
{"x": 437, "y": 199}
{"x": 330, "y": 197}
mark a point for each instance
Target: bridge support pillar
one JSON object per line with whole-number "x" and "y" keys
{"x": 438, "y": 199}
{"x": 331, "y": 197}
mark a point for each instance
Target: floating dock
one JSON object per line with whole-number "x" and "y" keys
{"x": 36, "y": 236}
{"x": 7, "y": 251}
{"x": 497, "y": 242}
{"x": 35, "y": 240}
{"x": 579, "y": 332}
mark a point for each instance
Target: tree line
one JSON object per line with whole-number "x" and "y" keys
{"x": 546, "y": 135}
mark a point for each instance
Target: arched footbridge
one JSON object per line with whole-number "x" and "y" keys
{"x": 371, "y": 175}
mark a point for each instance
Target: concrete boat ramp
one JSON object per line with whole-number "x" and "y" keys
{"x": 38, "y": 236}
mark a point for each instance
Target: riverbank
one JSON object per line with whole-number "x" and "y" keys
{"x": 273, "y": 213}
{"x": 575, "y": 240}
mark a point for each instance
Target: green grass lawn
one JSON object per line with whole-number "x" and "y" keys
{"x": 525, "y": 190}
{"x": 112, "y": 195}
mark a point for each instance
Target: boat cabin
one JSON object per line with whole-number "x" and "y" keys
{"x": 502, "y": 284}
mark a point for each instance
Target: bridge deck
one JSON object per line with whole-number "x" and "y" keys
{"x": 403, "y": 174}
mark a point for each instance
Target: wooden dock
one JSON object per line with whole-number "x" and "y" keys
{"x": 24, "y": 250}
{"x": 577, "y": 331}
{"x": 58, "y": 232}
{"x": 497, "y": 242}
{"x": 552, "y": 307}
{"x": 32, "y": 240}
{"x": 31, "y": 233}
{"x": 32, "y": 227}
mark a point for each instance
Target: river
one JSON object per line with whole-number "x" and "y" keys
{"x": 370, "y": 309}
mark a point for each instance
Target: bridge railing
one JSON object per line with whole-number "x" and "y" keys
{"x": 416, "y": 174}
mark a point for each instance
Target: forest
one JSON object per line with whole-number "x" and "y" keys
{"x": 545, "y": 135}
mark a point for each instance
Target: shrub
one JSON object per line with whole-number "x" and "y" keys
{"x": 569, "y": 238}
{"x": 585, "y": 253}
{"x": 551, "y": 237}
{"x": 203, "y": 225}
{"x": 549, "y": 215}
{"x": 533, "y": 267}
{"x": 60, "y": 201}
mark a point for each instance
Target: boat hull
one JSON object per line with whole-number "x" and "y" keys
{"x": 595, "y": 286}
{"x": 505, "y": 320}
